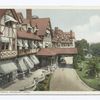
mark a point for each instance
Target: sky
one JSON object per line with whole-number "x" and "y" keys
{"x": 85, "y": 23}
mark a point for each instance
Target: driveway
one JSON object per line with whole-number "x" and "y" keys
{"x": 66, "y": 79}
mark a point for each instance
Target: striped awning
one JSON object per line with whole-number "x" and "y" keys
{"x": 4, "y": 39}
{"x": 21, "y": 64}
{"x": 34, "y": 59}
{"x": 34, "y": 45}
{"x": 40, "y": 44}
{"x": 19, "y": 43}
{"x": 28, "y": 62}
{"x": 7, "y": 67}
{"x": 25, "y": 44}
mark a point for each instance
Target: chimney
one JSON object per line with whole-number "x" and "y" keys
{"x": 72, "y": 34}
{"x": 29, "y": 13}
{"x": 56, "y": 28}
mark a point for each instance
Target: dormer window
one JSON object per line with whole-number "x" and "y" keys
{"x": 35, "y": 29}
{"x": 29, "y": 30}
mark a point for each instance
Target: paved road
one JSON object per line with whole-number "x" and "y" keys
{"x": 66, "y": 79}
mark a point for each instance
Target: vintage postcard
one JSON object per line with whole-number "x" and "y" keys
{"x": 52, "y": 50}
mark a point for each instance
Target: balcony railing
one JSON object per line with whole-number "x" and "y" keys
{"x": 27, "y": 51}
{"x": 8, "y": 54}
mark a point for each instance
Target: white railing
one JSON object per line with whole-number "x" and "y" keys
{"x": 7, "y": 54}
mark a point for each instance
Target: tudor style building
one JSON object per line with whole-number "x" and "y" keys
{"x": 63, "y": 47}
{"x": 8, "y": 45}
{"x": 63, "y": 39}
{"x": 28, "y": 43}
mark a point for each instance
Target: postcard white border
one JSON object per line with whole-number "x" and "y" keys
{"x": 71, "y": 7}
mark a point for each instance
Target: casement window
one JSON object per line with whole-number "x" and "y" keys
{"x": 4, "y": 42}
{"x": 13, "y": 44}
{"x": 9, "y": 21}
{"x": 8, "y": 24}
{"x": 4, "y": 46}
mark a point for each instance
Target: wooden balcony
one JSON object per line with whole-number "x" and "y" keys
{"x": 27, "y": 52}
{"x": 8, "y": 54}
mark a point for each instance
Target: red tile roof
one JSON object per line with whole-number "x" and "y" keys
{"x": 26, "y": 35}
{"x": 20, "y": 16}
{"x": 41, "y": 23}
{"x": 46, "y": 52}
{"x": 64, "y": 37}
{"x": 2, "y": 12}
{"x": 56, "y": 51}
{"x": 65, "y": 50}
{"x": 26, "y": 21}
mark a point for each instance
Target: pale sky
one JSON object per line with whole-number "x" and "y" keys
{"x": 85, "y": 23}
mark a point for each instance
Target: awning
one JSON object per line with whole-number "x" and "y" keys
{"x": 4, "y": 39}
{"x": 9, "y": 18}
{"x": 19, "y": 42}
{"x": 25, "y": 43}
{"x": 7, "y": 67}
{"x": 34, "y": 45}
{"x": 21, "y": 65}
{"x": 28, "y": 62}
{"x": 40, "y": 44}
{"x": 34, "y": 59}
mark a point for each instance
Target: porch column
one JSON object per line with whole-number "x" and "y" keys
{"x": 56, "y": 60}
{"x": 51, "y": 61}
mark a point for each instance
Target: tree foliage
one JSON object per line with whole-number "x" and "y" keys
{"x": 95, "y": 49}
{"x": 93, "y": 67}
{"x": 83, "y": 48}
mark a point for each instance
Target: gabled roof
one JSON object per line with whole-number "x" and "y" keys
{"x": 3, "y": 11}
{"x": 26, "y": 21}
{"x": 57, "y": 51}
{"x": 20, "y": 16}
{"x": 26, "y": 35}
{"x": 62, "y": 37}
{"x": 41, "y": 24}
{"x": 68, "y": 51}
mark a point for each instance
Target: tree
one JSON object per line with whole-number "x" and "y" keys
{"x": 83, "y": 48}
{"x": 95, "y": 49}
{"x": 93, "y": 67}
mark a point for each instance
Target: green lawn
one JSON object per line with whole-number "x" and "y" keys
{"x": 44, "y": 85}
{"x": 92, "y": 82}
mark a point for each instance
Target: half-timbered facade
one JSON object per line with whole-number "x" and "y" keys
{"x": 43, "y": 26}
{"x": 63, "y": 39}
{"x": 27, "y": 46}
{"x": 8, "y": 37}
{"x": 8, "y": 45}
